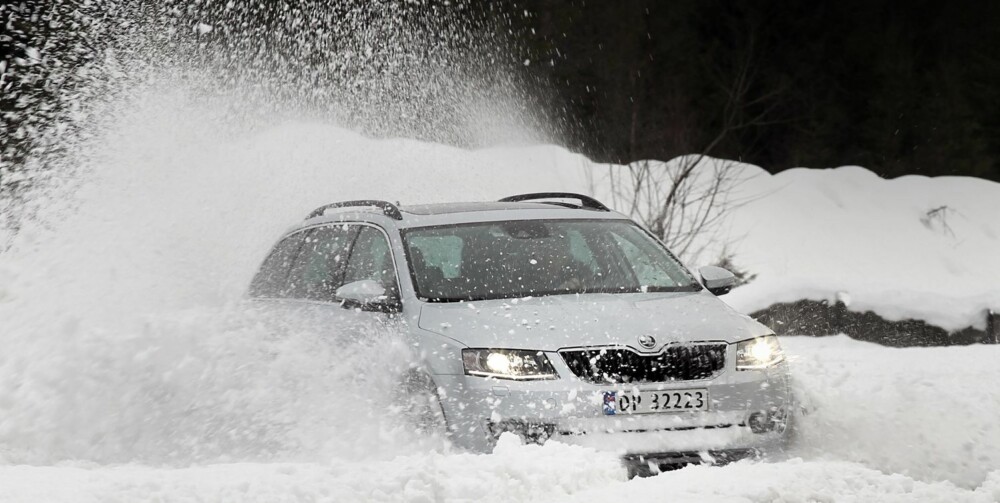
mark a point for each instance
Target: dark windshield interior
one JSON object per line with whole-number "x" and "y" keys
{"x": 524, "y": 258}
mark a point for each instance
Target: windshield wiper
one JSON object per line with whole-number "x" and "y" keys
{"x": 693, "y": 287}
{"x": 445, "y": 299}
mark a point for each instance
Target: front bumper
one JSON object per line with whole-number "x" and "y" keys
{"x": 747, "y": 411}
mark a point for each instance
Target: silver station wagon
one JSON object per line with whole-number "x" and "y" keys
{"x": 545, "y": 315}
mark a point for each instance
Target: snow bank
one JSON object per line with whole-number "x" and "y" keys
{"x": 912, "y": 247}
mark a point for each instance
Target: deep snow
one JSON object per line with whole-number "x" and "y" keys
{"x": 889, "y": 425}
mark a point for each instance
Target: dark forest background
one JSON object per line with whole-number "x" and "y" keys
{"x": 897, "y": 87}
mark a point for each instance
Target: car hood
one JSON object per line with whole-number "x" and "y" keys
{"x": 555, "y": 322}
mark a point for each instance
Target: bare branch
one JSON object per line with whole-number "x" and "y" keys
{"x": 685, "y": 200}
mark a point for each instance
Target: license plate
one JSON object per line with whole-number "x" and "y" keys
{"x": 651, "y": 402}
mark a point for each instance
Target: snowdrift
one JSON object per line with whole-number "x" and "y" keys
{"x": 912, "y": 247}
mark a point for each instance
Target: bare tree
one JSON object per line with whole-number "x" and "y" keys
{"x": 673, "y": 200}
{"x": 681, "y": 201}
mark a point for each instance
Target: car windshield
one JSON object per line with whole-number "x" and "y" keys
{"x": 523, "y": 258}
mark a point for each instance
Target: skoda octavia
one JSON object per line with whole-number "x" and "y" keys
{"x": 545, "y": 315}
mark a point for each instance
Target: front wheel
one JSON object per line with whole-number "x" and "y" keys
{"x": 420, "y": 404}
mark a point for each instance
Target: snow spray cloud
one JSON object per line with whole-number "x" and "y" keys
{"x": 439, "y": 71}
{"x": 158, "y": 178}
{"x": 427, "y": 70}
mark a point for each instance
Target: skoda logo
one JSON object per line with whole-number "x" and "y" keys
{"x": 647, "y": 341}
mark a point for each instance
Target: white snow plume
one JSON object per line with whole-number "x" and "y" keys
{"x": 124, "y": 333}
{"x": 430, "y": 70}
{"x": 438, "y": 71}
{"x": 194, "y": 386}
{"x": 121, "y": 277}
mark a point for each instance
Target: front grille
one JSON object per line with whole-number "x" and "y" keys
{"x": 621, "y": 365}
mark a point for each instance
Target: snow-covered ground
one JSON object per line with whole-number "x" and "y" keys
{"x": 129, "y": 372}
{"x": 889, "y": 425}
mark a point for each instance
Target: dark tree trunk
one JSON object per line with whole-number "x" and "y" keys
{"x": 993, "y": 327}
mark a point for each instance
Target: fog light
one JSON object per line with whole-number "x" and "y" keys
{"x": 758, "y": 422}
{"x": 530, "y": 432}
{"x": 779, "y": 420}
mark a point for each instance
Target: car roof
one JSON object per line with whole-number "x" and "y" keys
{"x": 429, "y": 215}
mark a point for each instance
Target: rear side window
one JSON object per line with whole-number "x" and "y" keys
{"x": 270, "y": 280}
{"x": 318, "y": 271}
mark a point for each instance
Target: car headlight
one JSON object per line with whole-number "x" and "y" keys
{"x": 508, "y": 364}
{"x": 758, "y": 353}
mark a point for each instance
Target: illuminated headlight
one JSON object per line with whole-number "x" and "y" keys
{"x": 759, "y": 353}
{"x": 507, "y": 364}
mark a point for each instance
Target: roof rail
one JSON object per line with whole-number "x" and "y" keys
{"x": 585, "y": 201}
{"x": 388, "y": 209}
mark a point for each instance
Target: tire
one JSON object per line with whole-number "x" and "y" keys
{"x": 790, "y": 428}
{"x": 420, "y": 404}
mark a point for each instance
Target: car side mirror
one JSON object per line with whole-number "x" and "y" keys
{"x": 367, "y": 294}
{"x": 717, "y": 280}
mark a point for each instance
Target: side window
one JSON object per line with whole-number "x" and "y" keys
{"x": 270, "y": 279}
{"x": 372, "y": 259}
{"x": 319, "y": 268}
